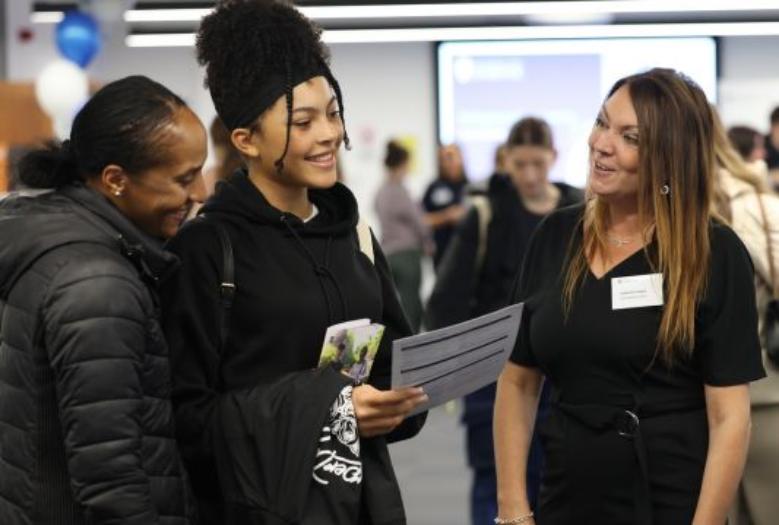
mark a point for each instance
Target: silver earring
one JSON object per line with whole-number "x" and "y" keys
{"x": 665, "y": 189}
{"x": 118, "y": 193}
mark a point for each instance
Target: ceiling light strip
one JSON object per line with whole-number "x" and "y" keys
{"x": 47, "y": 17}
{"x": 591, "y": 7}
{"x": 534, "y": 8}
{"x": 551, "y": 32}
{"x": 161, "y": 40}
{"x": 499, "y": 33}
{"x": 165, "y": 15}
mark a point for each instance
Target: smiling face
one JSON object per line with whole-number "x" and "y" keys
{"x": 614, "y": 143}
{"x": 316, "y": 133}
{"x": 158, "y": 200}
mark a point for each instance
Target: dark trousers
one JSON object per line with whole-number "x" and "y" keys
{"x": 406, "y": 267}
{"x": 484, "y": 492}
{"x": 484, "y": 497}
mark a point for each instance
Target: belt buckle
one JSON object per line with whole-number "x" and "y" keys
{"x": 627, "y": 424}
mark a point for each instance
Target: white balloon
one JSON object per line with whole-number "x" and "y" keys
{"x": 62, "y": 127}
{"x": 61, "y": 89}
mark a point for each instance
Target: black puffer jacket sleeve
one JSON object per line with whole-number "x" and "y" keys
{"x": 95, "y": 332}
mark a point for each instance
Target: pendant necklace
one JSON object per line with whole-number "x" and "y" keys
{"x": 616, "y": 241}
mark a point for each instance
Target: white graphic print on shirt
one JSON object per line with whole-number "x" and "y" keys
{"x": 338, "y": 455}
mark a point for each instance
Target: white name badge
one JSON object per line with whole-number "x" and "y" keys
{"x": 637, "y": 291}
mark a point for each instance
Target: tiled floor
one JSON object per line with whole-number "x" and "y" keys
{"x": 432, "y": 473}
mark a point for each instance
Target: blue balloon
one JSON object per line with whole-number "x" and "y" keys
{"x": 78, "y": 37}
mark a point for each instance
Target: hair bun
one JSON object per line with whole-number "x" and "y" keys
{"x": 53, "y": 166}
{"x": 396, "y": 155}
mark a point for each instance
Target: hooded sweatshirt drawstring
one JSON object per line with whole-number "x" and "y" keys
{"x": 320, "y": 270}
{"x": 341, "y": 296}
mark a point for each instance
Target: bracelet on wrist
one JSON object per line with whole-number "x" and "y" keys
{"x": 514, "y": 521}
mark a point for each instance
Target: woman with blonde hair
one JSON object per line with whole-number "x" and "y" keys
{"x": 753, "y": 213}
{"x": 639, "y": 312}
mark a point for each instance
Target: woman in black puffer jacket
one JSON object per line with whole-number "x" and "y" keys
{"x": 86, "y": 429}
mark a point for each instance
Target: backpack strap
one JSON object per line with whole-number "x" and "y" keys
{"x": 227, "y": 287}
{"x": 481, "y": 204}
{"x": 365, "y": 239}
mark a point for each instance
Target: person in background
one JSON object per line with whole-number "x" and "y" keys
{"x": 227, "y": 160}
{"x": 639, "y": 310}
{"x": 772, "y": 149}
{"x": 404, "y": 234}
{"x": 477, "y": 274}
{"x": 86, "y": 420}
{"x": 443, "y": 198}
{"x": 268, "y": 436}
{"x": 750, "y": 144}
{"x": 500, "y": 169}
{"x": 753, "y": 213}
{"x": 501, "y": 161}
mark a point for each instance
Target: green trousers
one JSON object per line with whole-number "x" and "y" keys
{"x": 406, "y": 267}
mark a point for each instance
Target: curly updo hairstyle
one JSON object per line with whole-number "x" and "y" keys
{"x": 255, "y": 51}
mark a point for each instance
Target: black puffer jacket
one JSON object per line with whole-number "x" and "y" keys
{"x": 86, "y": 427}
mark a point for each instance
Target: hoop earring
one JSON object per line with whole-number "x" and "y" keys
{"x": 665, "y": 189}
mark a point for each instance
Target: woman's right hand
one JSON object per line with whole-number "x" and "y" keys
{"x": 378, "y": 412}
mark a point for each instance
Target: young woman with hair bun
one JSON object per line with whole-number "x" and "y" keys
{"x": 268, "y": 436}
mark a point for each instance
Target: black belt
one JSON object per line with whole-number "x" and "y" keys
{"x": 627, "y": 424}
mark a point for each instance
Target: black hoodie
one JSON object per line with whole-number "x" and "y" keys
{"x": 261, "y": 399}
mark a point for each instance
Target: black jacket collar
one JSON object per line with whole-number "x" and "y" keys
{"x": 143, "y": 250}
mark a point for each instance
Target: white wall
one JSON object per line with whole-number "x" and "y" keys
{"x": 749, "y": 84}
{"x": 389, "y": 91}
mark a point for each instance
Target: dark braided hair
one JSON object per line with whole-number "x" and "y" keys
{"x": 339, "y": 97}
{"x": 254, "y": 52}
{"x": 288, "y": 97}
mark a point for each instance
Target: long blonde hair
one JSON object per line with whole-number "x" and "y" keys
{"x": 730, "y": 160}
{"x": 675, "y": 150}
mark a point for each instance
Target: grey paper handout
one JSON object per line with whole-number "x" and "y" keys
{"x": 458, "y": 359}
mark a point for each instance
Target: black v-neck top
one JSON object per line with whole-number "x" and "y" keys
{"x": 601, "y": 357}
{"x": 600, "y": 352}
